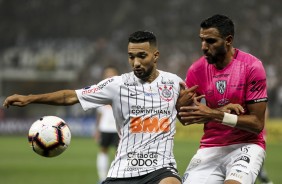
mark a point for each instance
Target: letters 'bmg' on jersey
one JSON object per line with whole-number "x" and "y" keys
{"x": 145, "y": 116}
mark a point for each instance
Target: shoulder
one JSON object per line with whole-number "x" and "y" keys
{"x": 198, "y": 65}
{"x": 168, "y": 75}
{"x": 253, "y": 65}
{"x": 128, "y": 79}
{"x": 248, "y": 58}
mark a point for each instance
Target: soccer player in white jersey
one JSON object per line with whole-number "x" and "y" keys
{"x": 106, "y": 133}
{"x": 232, "y": 148}
{"x": 143, "y": 103}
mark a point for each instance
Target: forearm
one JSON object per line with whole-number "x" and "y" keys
{"x": 250, "y": 123}
{"x": 63, "y": 97}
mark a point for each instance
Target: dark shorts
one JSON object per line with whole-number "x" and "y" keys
{"x": 151, "y": 178}
{"x": 109, "y": 139}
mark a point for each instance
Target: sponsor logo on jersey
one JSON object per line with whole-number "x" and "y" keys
{"x": 150, "y": 94}
{"x": 135, "y": 94}
{"x": 237, "y": 175}
{"x": 243, "y": 158}
{"x": 221, "y": 86}
{"x": 223, "y": 102}
{"x": 166, "y": 92}
{"x": 95, "y": 88}
{"x": 130, "y": 84}
{"x": 149, "y": 124}
{"x": 140, "y": 161}
{"x": 140, "y": 110}
{"x": 245, "y": 149}
{"x": 238, "y": 86}
{"x": 221, "y": 75}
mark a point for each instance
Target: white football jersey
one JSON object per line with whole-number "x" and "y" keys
{"x": 107, "y": 122}
{"x": 145, "y": 119}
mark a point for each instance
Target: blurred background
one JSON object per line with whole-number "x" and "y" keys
{"x": 64, "y": 44}
{"x": 48, "y": 45}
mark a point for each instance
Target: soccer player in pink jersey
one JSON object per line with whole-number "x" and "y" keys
{"x": 232, "y": 148}
{"x": 143, "y": 103}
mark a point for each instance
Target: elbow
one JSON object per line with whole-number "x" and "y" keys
{"x": 259, "y": 127}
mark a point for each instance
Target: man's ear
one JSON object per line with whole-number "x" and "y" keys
{"x": 229, "y": 40}
{"x": 156, "y": 55}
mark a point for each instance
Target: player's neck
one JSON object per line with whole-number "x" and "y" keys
{"x": 226, "y": 59}
{"x": 153, "y": 76}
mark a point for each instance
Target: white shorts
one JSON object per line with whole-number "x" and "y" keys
{"x": 240, "y": 162}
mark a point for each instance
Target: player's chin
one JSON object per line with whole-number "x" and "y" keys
{"x": 140, "y": 75}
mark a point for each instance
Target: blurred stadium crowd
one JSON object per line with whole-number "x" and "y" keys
{"x": 52, "y": 45}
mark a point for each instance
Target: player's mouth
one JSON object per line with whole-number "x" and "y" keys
{"x": 138, "y": 71}
{"x": 208, "y": 56}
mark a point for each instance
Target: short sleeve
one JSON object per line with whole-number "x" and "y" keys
{"x": 99, "y": 94}
{"x": 256, "y": 83}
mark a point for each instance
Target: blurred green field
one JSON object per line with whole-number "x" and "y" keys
{"x": 20, "y": 165}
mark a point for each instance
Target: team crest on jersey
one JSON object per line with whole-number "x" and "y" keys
{"x": 221, "y": 86}
{"x": 166, "y": 92}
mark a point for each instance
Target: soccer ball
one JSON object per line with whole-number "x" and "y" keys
{"x": 49, "y": 136}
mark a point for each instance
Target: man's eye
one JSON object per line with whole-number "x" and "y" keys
{"x": 131, "y": 57}
{"x": 210, "y": 41}
{"x": 142, "y": 56}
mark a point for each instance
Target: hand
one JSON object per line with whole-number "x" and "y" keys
{"x": 232, "y": 107}
{"x": 186, "y": 96}
{"x": 194, "y": 114}
{"x": 16, "y": 100}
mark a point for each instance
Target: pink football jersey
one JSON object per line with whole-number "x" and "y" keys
{"x": 243, "y": 81}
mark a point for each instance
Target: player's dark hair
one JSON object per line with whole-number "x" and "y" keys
{"x": 222, "y": 23}
{"x": 143, "y": 36}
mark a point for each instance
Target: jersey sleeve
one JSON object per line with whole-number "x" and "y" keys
{"x": 99, "y": 94}
{"x": 256, "y": 84}
{"x": 191, "y": 78}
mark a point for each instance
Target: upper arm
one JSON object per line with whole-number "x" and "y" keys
{"x": 258, "y": 110}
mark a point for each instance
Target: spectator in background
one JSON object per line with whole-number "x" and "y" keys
{"x": 106, "y": 133}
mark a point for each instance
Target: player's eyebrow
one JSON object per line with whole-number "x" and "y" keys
{"x": 136, "y": 54}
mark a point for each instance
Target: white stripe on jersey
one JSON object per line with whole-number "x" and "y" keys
{"x": 145, "y": 115}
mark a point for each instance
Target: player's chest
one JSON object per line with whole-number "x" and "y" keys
{"x": 152, "y": 95}
{"x": 223, "y": 88}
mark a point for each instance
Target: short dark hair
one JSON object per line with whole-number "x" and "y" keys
{"x": 143, "y": 36}
{"x": 222, "y": 23}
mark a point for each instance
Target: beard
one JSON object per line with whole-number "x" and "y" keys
{"x": 218, "y": 56}
{"x": 142, "y": 73}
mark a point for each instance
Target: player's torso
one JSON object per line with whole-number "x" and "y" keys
{"x": 221, "y": 87}
{"x": 147, "y": 111}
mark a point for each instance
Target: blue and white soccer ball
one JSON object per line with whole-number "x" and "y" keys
{"x": 49, "y": 136}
